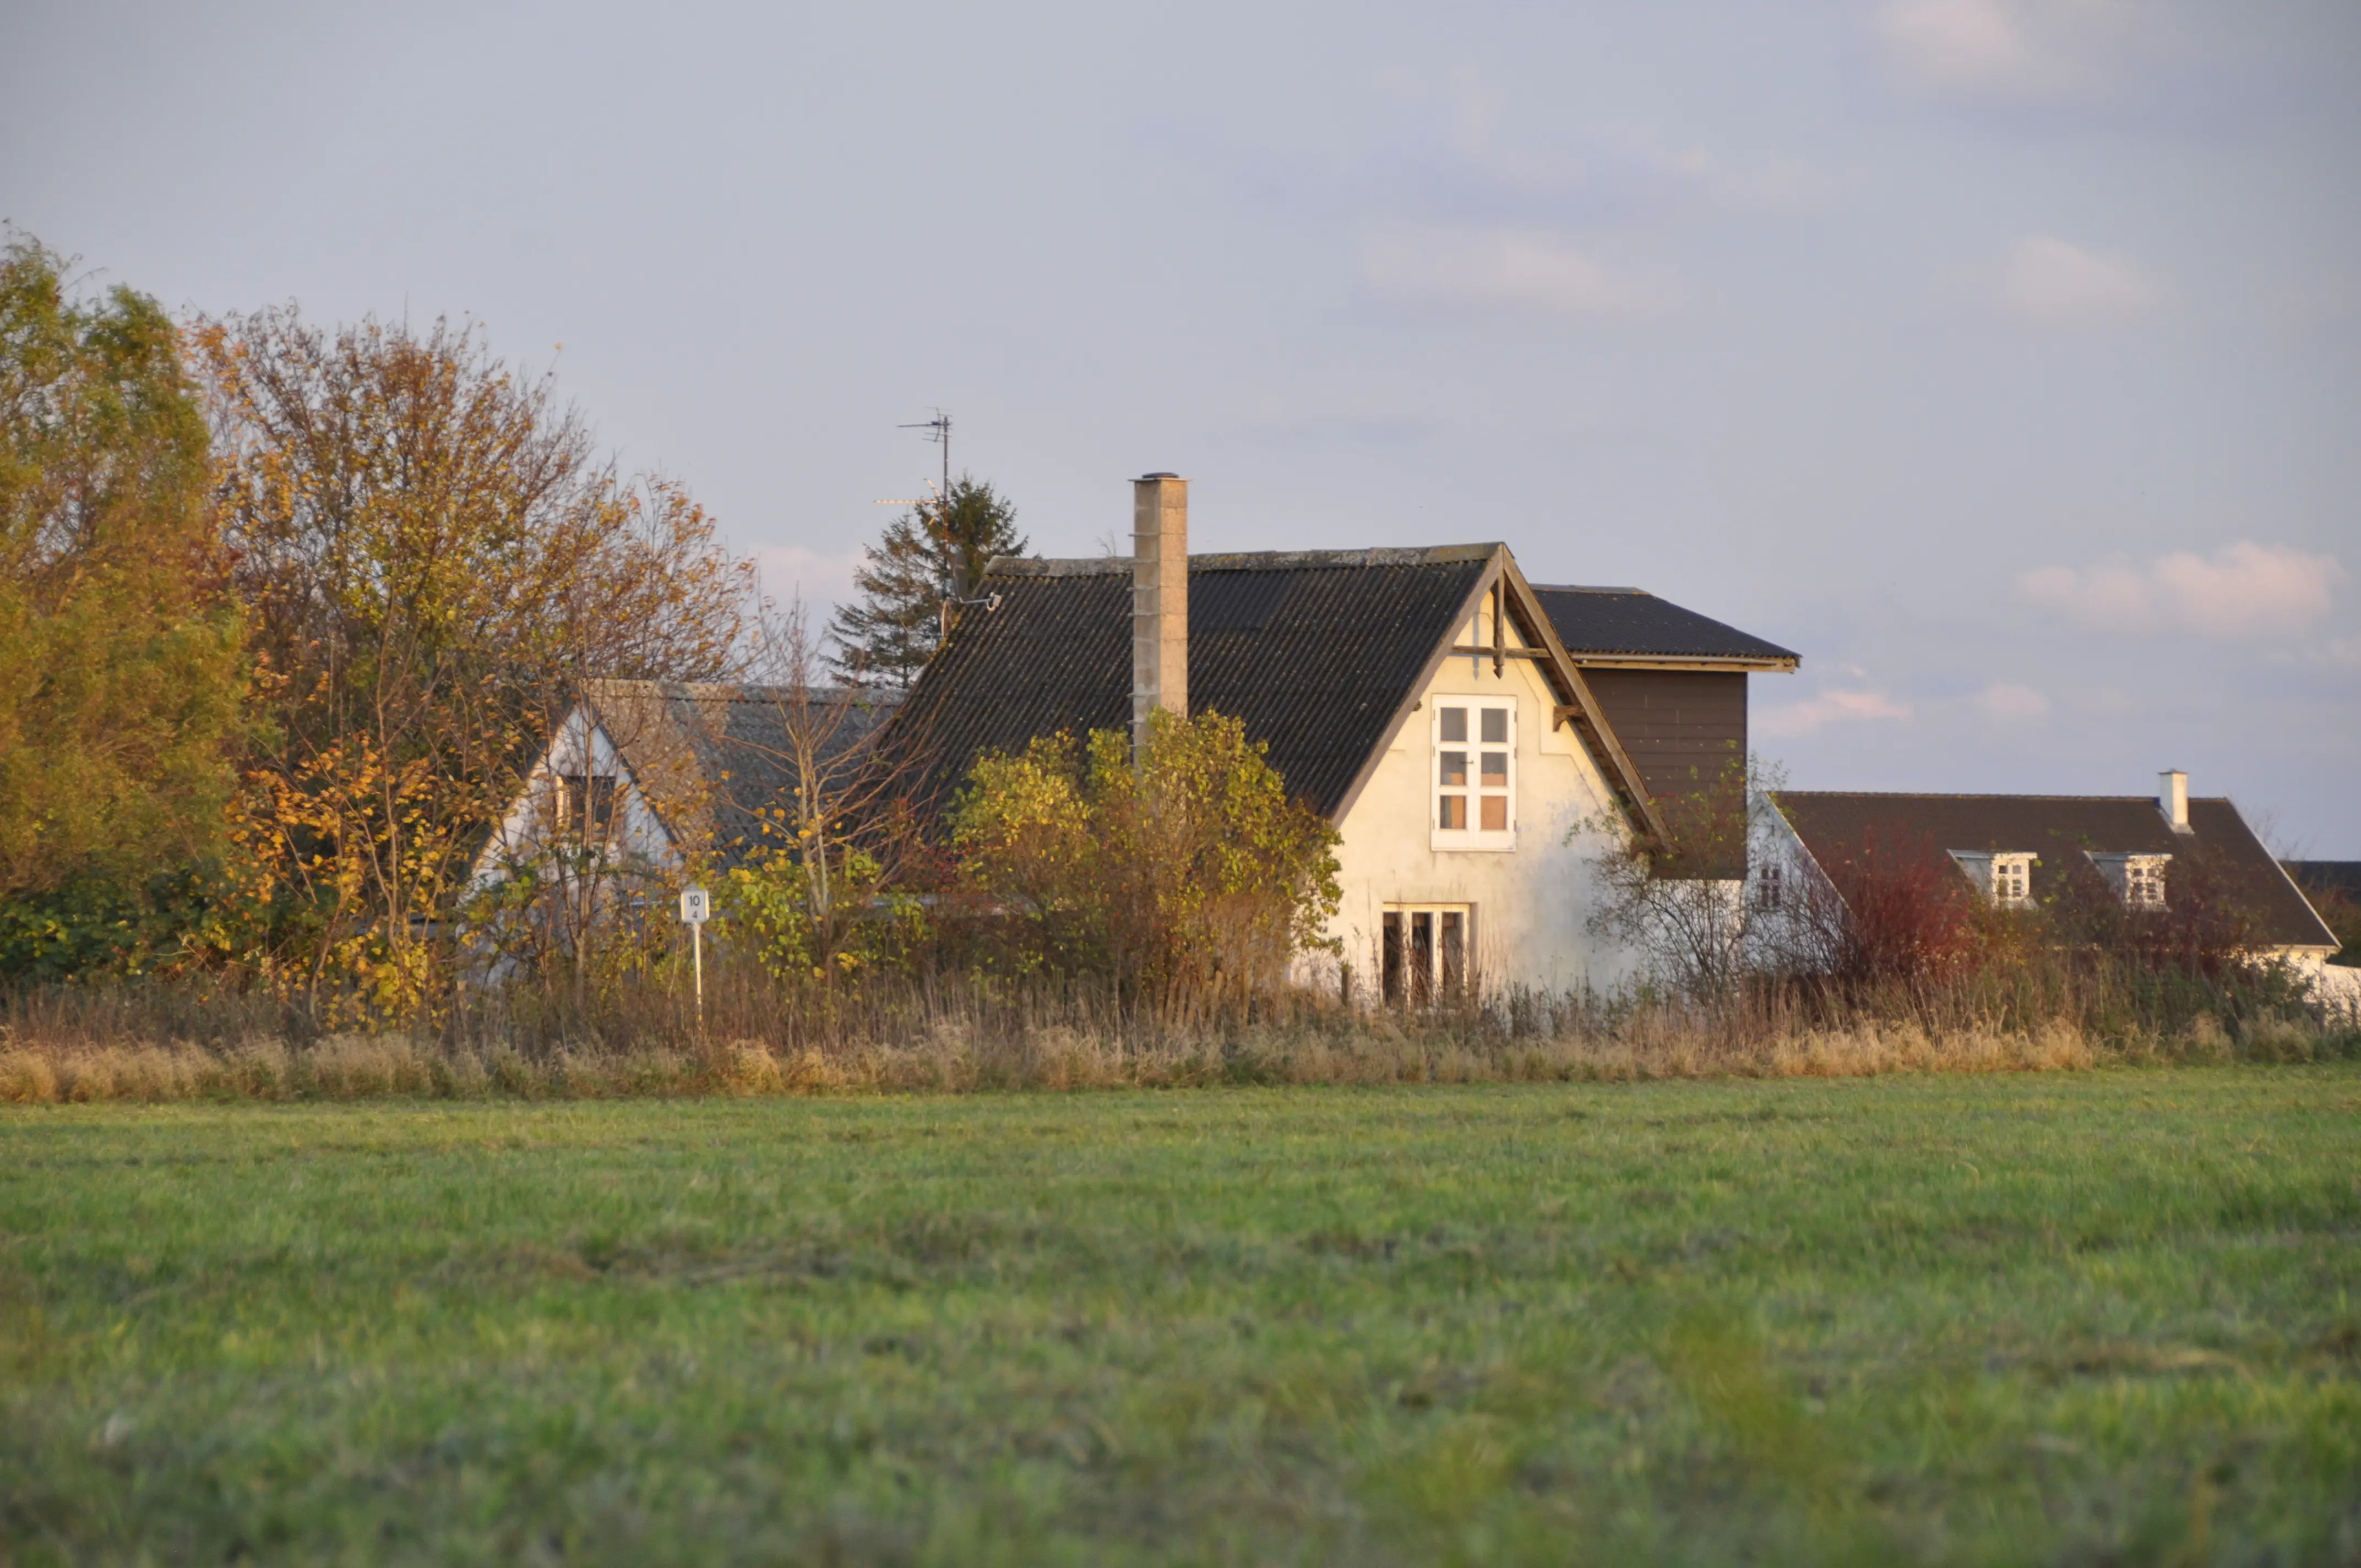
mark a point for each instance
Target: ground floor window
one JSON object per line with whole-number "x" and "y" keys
{"x": 1427, "y": 950}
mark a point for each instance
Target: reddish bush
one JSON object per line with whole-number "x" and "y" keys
{"x": 1889, "y": 913}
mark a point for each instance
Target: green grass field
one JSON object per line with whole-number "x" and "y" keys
{"x": 2064, "y": 1318}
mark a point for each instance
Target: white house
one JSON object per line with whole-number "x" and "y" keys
{"x": 2024, "y": 850}
{"x": 1472, "y": 735}
{"x": 644, "y": 780}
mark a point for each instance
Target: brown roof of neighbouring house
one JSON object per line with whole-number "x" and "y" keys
{"x": 1313, "y": 651}
{"x": 2333, "y": 876}
{"x": 1634, "y": 623}
{"x": 2057, "y": 830}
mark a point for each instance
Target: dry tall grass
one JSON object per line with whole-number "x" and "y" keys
{"x": 69, "y": 1047}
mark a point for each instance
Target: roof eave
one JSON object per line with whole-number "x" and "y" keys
{"x": 1696, "y": 662}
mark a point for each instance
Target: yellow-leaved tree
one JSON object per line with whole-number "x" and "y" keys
{"x": 435, "y": 560}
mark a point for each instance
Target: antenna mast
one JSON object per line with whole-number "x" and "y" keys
{"x": 938, "y": 431}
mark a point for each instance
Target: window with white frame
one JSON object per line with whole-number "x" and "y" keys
{"x": 2011, "y": 881}
{"x": 2138, "y": 880}
{"x": 2005, "y": 877}
{"x": 1427, "y": 951}
{"x": 1475, "y": 775}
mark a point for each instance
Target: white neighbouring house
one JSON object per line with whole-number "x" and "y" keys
{"x": 2026, "y": 850}
{"x": 1469, "y": 733}
{"x": 644, "y": 781}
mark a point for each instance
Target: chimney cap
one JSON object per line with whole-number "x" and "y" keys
{"x": 1159, "y": 474}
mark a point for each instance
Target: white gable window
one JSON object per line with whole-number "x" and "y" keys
{"x": 2138, "y": 880}
{"x": 587, "y": 806}
{"x": 1474, "y": 791}
{"x": 2005, "y": 877}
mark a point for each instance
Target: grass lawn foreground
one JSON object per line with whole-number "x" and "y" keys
{"x": 2047, "y": 1318}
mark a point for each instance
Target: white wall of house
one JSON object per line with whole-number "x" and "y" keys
{"x": 535, "y": 817}
{"x": 1529, "y": 902}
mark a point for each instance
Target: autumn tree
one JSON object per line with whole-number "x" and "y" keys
{"x": 119, "y": 649}
{"x": 435, "y": 560}
{"x": 935, "y": 552}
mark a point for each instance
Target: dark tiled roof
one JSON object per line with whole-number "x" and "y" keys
{"x": 1313, "y": 651}
{"x": 2057, "y": 829}
{"x": 707, "y": 756}
{"x": 1634, "y": 623}
{"x": 2339, "y": 876}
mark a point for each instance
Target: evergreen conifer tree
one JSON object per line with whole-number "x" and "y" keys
{"x": 938, "y": 548}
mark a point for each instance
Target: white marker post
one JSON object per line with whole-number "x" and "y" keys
{"x": 696, "y": 909}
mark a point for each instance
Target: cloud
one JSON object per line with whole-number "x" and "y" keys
{"x": 1955, "y": 43}
{"x": 791, "y": 572}
{"x": 2006, "y": 702}
{"x": 1505, "y": 268}
{"x": 2000, "y": 47}
{"x": 2058, "y": 284}
{"x": 1808, "y": 717}
{"x": 1470, "y": 106}
{"x": 2245, "y": 590}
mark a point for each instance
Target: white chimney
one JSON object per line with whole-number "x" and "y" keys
{"x": 2172, "y": 798}
{"x": 1159, "y": 600}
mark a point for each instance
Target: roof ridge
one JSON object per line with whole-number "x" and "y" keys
{"x": 731, "y": 691}
{"x": 1962, "y": 795}
{"x": 1587, "y": 588}
{"x": 1248, "y": 560}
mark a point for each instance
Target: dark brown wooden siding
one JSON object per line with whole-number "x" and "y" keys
{"x": 1685, "y": 731}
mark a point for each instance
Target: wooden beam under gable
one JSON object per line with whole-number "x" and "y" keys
{"x": 1577, "y": 706}
{"x": 1502, "y": 589}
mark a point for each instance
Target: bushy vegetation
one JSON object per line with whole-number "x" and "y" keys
{"x": 1184, "y": 877}
{"x": 287, "y": 610}
{"x": 283, "y": 612}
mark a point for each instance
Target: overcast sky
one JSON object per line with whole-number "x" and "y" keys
{"x": 2002, "y": 357}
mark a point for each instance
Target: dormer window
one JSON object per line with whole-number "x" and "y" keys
{"x": 2005, "y": 877}
{"x": 2138, "y": 880}
{"x": 1474, "y": 776}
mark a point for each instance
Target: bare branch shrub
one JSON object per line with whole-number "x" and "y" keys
{"x": 1695, "y": 930}
{"x": 820, "y": 889}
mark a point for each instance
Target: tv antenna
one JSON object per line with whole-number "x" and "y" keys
{"x": 938, "y": 430}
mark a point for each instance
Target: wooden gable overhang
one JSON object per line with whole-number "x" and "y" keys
{"x": 1501, "y": 601}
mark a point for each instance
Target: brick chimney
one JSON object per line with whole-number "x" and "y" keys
{"x": 2172, "y": 799}
{"x": 1159, "y": 600}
